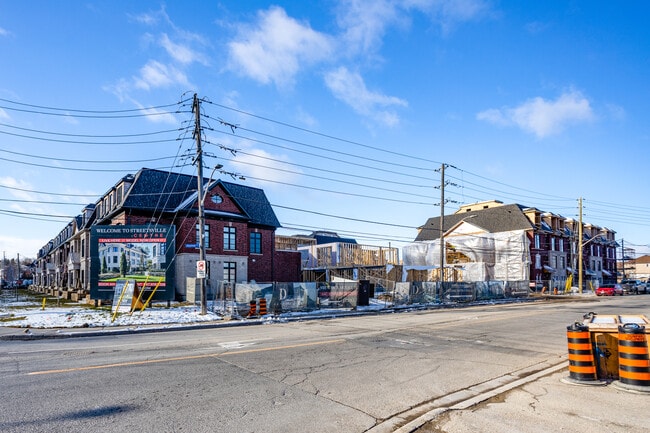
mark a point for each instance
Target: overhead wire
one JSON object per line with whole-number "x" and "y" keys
{"x": 534, "y": 195}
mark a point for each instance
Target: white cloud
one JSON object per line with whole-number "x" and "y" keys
{"x": 306, "y": 118}
{"x": 25, "y": 246}
{"x": 180, "y": 53}
{"x": 276, "y": 48}
{"x": 4, "y": 32}
{"x": 543, "y": 117}
{"x": 4, "y": 115}
{"x": 149, "y": 19}
{"x": 157, "y": 116}
{"x": 449, "y": 13}
{"x": 350, "y": 88}
{"x": 258, "y": 165}
{"x": 17, "y": 188}
{"x": 364, "y": 23}
{"x": 616, "y": 112}
{"x": 155, "y": 74}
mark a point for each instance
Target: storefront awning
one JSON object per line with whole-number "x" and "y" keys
{"x": 607, "y": 273}
{"x": 549, "y": 269}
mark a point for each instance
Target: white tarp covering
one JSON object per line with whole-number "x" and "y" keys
{"x": 502, "y": 256}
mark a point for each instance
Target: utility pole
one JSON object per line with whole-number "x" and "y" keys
{"x": 623, "y": 257}
{"x": 196, "y": 109}
{"x": 580, "y": 239}
{"x": 442, "y": 228}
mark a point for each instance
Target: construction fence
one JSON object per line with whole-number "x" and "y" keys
{"x": 310, "y": 296}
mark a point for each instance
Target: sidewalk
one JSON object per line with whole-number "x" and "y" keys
{"x": 549, "y": 405}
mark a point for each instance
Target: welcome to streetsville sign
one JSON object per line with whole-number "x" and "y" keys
{"x": 139, "y": 252}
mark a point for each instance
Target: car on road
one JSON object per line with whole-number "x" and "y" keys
{"x": 609, "y": 290}
{"x": 633, "y": 286}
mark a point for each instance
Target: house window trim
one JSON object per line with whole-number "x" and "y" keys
{"x": 206, "y": 236}
{"x": 230, "y": 271}
{"x": 255, "y": 243}
{"x": 229, "y": 238}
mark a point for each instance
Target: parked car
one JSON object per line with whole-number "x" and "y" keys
{"x": 609, "y": 290}
{"x": 632, "y": 286}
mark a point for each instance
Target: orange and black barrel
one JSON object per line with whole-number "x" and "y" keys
{"x": 582, "y": 367}
{"x": 263, "y": 311}
{"x": 252, "y": 308}
{"x": 633, "y": 358}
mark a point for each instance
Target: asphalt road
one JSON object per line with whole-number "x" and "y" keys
{"x": 374, "y": 373}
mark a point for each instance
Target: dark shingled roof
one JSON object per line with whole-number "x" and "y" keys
{"x": 330, "y": 237}
{"x": 253, "y": 202}
{"x": 156, "y": 190}
{"x": 493, "y": 220}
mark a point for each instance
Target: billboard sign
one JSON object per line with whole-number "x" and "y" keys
{"x": 140, "y": 253}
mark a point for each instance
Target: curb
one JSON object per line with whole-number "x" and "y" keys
{"x": 29, "y": 334}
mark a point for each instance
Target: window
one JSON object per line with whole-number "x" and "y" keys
{"x": 206, "y": 236}
{"x": 538, "y": 261}
{"x": 552, "y": 244}
{"x": 561, "y": 246}
{"x": 537, "y": 241}
{"x": 256, "y": 243}
{"x": 229, "y": 271}
{"x": 229, "y": 238}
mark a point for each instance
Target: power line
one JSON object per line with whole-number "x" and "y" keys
{"x": 324, "y": 135}
{"x": 47, "y": 193}
{"x": 58, "y": 140}
{"x": 80, "y": 161}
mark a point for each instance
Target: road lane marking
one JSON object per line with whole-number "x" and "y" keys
{"x": 183, "y": 358}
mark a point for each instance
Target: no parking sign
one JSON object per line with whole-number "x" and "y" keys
{"x": 200, "y": 269}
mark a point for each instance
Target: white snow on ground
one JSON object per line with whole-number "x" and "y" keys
{"x": 29, "y": 315}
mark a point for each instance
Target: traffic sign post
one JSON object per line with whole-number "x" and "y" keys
{"x": 200, "y": 269}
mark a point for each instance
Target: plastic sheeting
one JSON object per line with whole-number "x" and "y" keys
{"x": 503, "y": 256}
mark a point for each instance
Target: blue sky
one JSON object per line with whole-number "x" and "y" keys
{"x": 344, "y": 110}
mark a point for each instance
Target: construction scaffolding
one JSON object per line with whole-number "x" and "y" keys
{"x": 502, "y": 256}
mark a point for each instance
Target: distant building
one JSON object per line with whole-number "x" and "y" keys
{"x": 638, "y": 268}
{"x": 493, "y": 241}
{"x": 326, "y": 256}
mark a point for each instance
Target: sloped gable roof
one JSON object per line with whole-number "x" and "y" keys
{"x": 167, "y": 191}
{"x": 641, "y": 260}
{"x": 493, "y": 220}
{"x": 253, "y": 202}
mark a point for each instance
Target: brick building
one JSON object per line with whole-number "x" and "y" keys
{"x": 239, "y": 229}
{"x": 548, "y": 257}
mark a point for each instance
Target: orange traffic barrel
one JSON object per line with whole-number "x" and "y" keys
{"x": 262, "y": 306}
{"x": 582, "y": 367}
{"x": 633, "y": 357}
{"x": 252, "y": 308}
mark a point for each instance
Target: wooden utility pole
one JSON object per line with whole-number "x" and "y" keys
{"x": 580, "y": 245}
{"x": 442, "y": 228}
{"x": 196, "y": 109}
